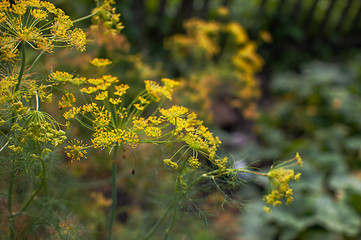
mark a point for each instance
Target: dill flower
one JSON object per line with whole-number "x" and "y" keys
{"x": 39, "y": 24}
{"x": 156, "y": 92}
{"x": 279, "y": 178}
{"x": 76, "y": 150}
{"x": 121, "y": 89}
{"x": 173, "y": 112}
{"x": 67, "y": 100}
{"x": 238, "y": 31}
{"x": 194, "y": 162}
{"x": 265, "y": 36}
{"x": 102, "y": 84}
{"x": 170, "y": 163}
{"x": 102, "y": 95}
{"x": 107, "y": 15}
{"x": 153, "y": 132}
{"x": 100, "y": 62}
{"x": 223, "y": 11}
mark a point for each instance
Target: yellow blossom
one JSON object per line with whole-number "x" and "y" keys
{"x": 299, "y": 159}
{"x": 153, "y": 132}
{"x": 173, "y": 112}
{"x": 265, "y": 36}
{"x": 76, "y": 150}
{"x": 16, "y": 29}
{"x": 100, "y": 62}
{"x": 279, "y": 178}
{"x": 238, "y": 31}
{"x": 71, "y": 113}
{"x": 102, "y": 95}
{"x": 115, "y": 101}
{"x": 170, "y": 163}
{"x": 156, "y": 92}
{"x": 194, "y": 162}
{"x": 67, "y": 100}
{"x": 121, "y": 89}
{"x": 60, "y": 77}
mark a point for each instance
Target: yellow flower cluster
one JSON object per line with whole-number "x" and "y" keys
{"x": 38, "y": 130}
{"x": 170, "y": 163}
{"x": 191, "y": 131}
{"x": 194, "y": 162}
{"x": 230, "y": 65}
{"x": 102, "y": 83}
{"x": 43, "y": 28}
{"x": 200, "y": 39}
{"x": 279, "y": 178}
{"x": 223, "y": 11}
{"x": 107, "y": 15}
{"x": 67, "y": 100}
{"x": 7, "y": 85}
{"x": 100, "y": 62}
{"x": 64, "y": 77}
{"x": 76, "y": 150}
{"x": 125, "y": 125}
{"x": 103, "y": 139}
{"x": 156, "y": 92}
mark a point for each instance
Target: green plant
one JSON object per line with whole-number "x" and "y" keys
{"x": 30, "y": 134}
{"x": 316, "y": 112}
{"x": 217, "y": 61}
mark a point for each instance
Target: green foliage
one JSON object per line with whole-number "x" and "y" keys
{"x": 39, "y": 190}
{"x": 316, "y": 112}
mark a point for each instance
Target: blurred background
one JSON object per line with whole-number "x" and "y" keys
{"x": 270, "y": 78}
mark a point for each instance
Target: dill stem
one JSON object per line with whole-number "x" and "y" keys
{"x": 21, "y": 73}
{"x": 85, "y": 17}
{"x": 160, "y": 220}
{"x": 10, "y": 206}
{"x": 36, "y": 60}
{"x": 172, "y": 221}
{"x": 12, "y": 171}
{"x": 114, "y": 193}
{"x": 43, "y": 174}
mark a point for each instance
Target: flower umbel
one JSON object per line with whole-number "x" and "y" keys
{"x": 39, "y": 24}
{"x": 76, "y": 150}
{"x": 279, "y": 178}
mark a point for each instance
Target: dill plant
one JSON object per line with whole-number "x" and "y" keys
{"x": 117, "y": 122}
{"x": 30, "y": 134}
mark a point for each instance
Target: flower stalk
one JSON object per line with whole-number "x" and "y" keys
{"x": 114, "y": 193}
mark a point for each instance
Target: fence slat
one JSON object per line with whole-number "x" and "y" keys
{"x": 261, "y": 6}
{"x": 343, "y": 16}
{"x": 356, "y": 21}
{"x": 325, "y": 19}
{"x": 205, "y": 9}
{"x": 185, "y": 11}
{"x": 310, "y": 14}
{"x": 296, "y": 10}
{"x": 280, "y": 6}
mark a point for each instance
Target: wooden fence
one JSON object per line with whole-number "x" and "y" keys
{"x": 347, "y": 21}
{"x": 315, "y": 19}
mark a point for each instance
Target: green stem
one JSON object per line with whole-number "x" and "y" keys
{"x": 171, "y": 225}
{"x": 22, "y": 49}
{"x": 41, "y": 185}
{"x": 10, "y": 206}
{"x": 177, "y": 196}
{"x": 114, "y": 193}
{"x": 36, "y": 60}
{"x": 160, "y": 220}
{"x": 86, "y": 17}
